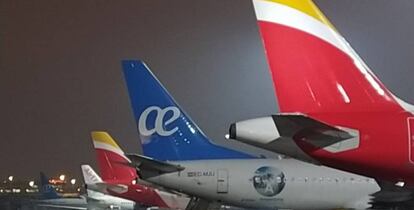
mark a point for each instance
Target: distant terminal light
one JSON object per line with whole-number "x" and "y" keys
{"x": 56, "y": 181}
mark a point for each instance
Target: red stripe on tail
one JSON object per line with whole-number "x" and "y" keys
{"x": 313, "y": 76}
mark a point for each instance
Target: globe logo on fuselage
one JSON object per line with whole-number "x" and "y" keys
{"x": 268, "y": 181}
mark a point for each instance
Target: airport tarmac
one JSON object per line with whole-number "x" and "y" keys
{"x": 24, "y": 202}
{"x": 8, "y": 202}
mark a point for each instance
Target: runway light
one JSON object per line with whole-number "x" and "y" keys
{"x": 11, "y": 178}
{"x": 73, "y": 181}
{"x": 31, "y": 183}
{"x": 62, "y": 177}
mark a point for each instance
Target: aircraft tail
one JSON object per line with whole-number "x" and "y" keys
{"x": 314, "y": 69}
{"x": 90, "y": 176}
{"x": 112, "y": 161}
{"x": 166, "y": 132}
{"x": 46, "y": 189}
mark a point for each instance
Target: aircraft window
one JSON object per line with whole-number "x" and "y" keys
{"x": 314, "y": 179}
{"x": 336, "y": 180}
{"x": 306, "y": 179}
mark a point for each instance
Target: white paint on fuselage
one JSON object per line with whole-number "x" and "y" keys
{"x": 306, "y": 186}
{"x": 95, "y": 200}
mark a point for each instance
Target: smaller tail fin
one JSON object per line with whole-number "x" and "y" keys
{"x": 94, "y": 183}
{"x": 166, "y": 132}
{"x": 90, "y": 176}
{"x": 46, "y": 189}
{"x": 111, "y": 159}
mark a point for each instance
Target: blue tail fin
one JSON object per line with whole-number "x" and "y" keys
{"x": 47, "y": 191}
{"x": 166, "y": 132}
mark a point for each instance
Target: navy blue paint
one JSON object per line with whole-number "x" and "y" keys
{"x": 46, "y": 190}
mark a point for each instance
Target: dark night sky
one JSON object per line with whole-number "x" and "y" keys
{"x": 60, "y": 74}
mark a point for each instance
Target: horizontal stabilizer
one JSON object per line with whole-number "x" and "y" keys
{"x": 302, "y": 127}
{"x": 144, "y": 163}
{"x": 282, "y": 133}
{"x": 104, "y": 187}
{"x": 117, "y": 188}
{"x": 52, "y": 206}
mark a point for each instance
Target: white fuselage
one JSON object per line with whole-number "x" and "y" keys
{"x": 104, "y": 201}
{"x": 94, "y": 201}
{"x": 270, "y": 183}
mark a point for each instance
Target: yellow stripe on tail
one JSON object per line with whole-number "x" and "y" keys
{"x": 307, "y": 7}
{"x": 104, "y": 137}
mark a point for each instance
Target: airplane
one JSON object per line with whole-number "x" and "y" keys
{"x": 92, "y": 200}
{"x": 119, "y": 179}
{"x": 333, "y": 109}
{"x": 178, "y": 156}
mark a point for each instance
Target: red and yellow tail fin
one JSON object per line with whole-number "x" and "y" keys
{"x": 111, "y": 159}
{"x": 314, "y": 69}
